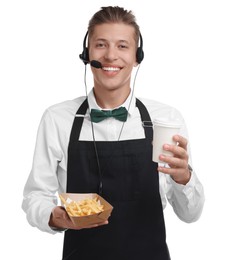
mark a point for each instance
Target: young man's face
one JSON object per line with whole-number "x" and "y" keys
{"x": 113, "y": 44}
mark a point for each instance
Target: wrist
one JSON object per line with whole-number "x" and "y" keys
{"x": 185, "y": 177}
{"x": 56, "y": 219}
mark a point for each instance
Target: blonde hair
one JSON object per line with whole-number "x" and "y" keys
{"x": 114, "y": 14}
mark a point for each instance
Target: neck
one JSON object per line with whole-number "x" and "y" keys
{"x": 111, "y": 99}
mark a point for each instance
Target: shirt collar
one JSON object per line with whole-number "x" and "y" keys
{"x": 93, "y": 104}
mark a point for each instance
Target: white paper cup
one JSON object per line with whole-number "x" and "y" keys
{"x": 163, "y": 133}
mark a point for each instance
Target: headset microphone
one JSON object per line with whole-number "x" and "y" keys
{"x": 96, "y": 64}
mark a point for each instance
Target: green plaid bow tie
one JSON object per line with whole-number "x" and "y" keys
{"x": 99, "y": 115}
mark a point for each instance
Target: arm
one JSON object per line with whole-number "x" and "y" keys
{"x": 184, "y": 190}
{"x": 40, "y": 201}
{"x": 42, "y": 184}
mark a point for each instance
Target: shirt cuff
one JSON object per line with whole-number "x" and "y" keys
{"x": 190, "y": 190}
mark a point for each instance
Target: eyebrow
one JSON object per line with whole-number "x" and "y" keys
{"x": 104, "y": 40}
{"x": 124, "y": 41}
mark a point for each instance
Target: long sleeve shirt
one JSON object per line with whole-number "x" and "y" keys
{"x": 48, "y": 175}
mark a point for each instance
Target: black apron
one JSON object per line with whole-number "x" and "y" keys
{"x": 136, "y": 228}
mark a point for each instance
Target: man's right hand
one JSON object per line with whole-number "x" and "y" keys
{"x": 60, "y": 219}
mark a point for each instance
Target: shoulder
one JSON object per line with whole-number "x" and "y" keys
{"x": 62, "y": 114}
{"x": 159, "y": 109}
{"x": 68, "y": 105}
{"x": 65, "y": 107}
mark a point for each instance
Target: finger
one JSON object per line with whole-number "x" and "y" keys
{"x": 174, "y": 162}
{"x": 177, "y": 151}
{"x": 182, "y": 141}
{"x": 179, "y": 175}
{"x": 169, "y": 171}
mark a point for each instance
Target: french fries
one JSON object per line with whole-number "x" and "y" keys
{"x": 84, "y": 207}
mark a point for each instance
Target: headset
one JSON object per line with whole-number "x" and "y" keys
{"x": 84, "y": 56}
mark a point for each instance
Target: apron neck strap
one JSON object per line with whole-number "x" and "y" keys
{"x": 78, "y": 120}
{"x": 146, "y": 120}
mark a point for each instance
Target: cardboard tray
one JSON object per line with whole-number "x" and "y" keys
{"x": 91, "y": 219}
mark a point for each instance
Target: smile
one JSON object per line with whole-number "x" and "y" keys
{"x": 111, "y": 68}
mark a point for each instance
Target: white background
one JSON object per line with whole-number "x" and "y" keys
{"x": 184, "y": 66}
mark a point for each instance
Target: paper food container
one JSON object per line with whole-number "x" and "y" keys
{"x": 89, "y": 219}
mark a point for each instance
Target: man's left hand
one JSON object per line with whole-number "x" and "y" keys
{"x": 178, "y": 163}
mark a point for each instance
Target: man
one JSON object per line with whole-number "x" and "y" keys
{"x": 82, "y": 149}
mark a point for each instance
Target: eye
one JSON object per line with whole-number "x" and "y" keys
{"x": 123, "y": 46}
{"x": 100, "y": 45}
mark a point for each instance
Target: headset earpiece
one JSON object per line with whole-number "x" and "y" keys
{"x": 84, "y": 56}
{"x": 140, "y": 52}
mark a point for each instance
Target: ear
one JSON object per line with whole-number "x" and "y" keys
{"x": 136, "y": 64}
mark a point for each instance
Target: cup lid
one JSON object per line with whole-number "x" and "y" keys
{"x": 167, "y": 122}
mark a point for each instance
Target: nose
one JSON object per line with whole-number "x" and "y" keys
{"x": 111, "y": 53}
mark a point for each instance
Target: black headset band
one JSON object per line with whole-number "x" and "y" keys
{"x": 85, "y": 40}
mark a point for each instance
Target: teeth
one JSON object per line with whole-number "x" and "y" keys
{"x": 111, "y": 69}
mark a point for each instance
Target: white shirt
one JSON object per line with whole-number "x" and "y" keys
{"x": 49, "y": 171}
